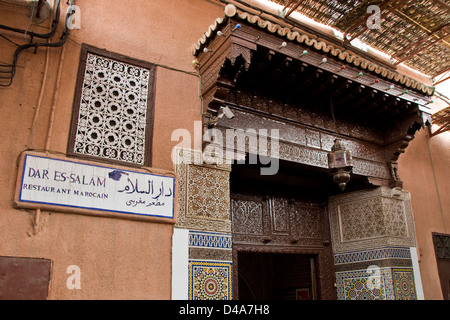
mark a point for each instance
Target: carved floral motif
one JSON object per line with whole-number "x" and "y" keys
{"x": 372, "y": 218}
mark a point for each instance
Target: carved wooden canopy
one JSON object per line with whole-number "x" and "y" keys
{"x": 315, "y": 89}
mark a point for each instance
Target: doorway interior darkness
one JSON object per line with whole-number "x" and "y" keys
{"x": 293, "y": 180}
{"x": 276, "y": 276}
{"x": 280, "y": 231}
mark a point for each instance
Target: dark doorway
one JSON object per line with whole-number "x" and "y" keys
{"x": 281, "y": 236}
{"x": 292, "y": 180}
{"x": 276, "y": 276}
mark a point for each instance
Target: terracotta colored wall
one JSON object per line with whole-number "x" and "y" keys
{"x": 425, "y": 170}
{"x": 118, "y": 258}
{"x": 125, "y": 259}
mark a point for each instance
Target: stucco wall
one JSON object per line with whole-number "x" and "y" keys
{"x": 118, "y": 258}
{"x": 425, "y": 171}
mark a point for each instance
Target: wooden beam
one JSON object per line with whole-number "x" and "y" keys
{"x": 277, "y": 75}
{"x": 445, "y": 127}
{"x": 442, "y": 80}
{"x": 316, "y": 95}
{"x": 374, "y": 104}
{"x": 441, "y": 3}
{"x": 399, "y": 13}
{"x": 415, "y": 44}
{"x": 295, "y": 3}
{"x": 289, "y": 4}
{"x": 290, "y": 73}
{"x": 378, "y": 113}
{"x": 445, "y": 28}
{"x": 365, "y": 94}
{"x": 339, "y": 86}
{"x": 304, "y": 74}
{"x": 339, "y": 105}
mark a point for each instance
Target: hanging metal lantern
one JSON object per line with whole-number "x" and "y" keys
{"x": 340, "y": 163}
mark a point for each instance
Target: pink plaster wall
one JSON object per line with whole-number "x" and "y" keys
{"x": 425, "y": 171}
{"x": 118, "y": 258}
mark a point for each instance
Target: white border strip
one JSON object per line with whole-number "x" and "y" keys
{"x": 416, "y": 270}
{"x": 180, "y": 264}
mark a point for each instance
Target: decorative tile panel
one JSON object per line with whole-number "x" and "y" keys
{"x": 210, "y": 266}
{"x": 209, "y": 240}
{"x": 113, "y": 110}
{"x": 372, "y": 232}
{"x": 376, "y": 284}
{"x": 372, "y": 284}
{"x": 210, "y": 280}
{"x": 404, "y": 284}
{"x": 378, "y": 274}
{"x": 372, "y": 254}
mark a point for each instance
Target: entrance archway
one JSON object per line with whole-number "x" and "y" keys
{"x": 295, "y": 105}
{"x": 280, "y": 232}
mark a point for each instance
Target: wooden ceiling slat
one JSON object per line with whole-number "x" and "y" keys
{"x": 418, "y": 22}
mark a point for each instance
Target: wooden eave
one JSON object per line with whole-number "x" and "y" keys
{"x": 381, "y": 94}
{"x": 312, "y": 43}
{"x": 309, "y": 75}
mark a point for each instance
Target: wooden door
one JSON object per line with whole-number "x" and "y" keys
{"x": 274, "y": 238}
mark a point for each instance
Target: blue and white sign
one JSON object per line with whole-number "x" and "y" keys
{"x": 79, "y": 185}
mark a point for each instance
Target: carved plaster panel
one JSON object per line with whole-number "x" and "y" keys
{"x": 370, "y": 219}
{"x": 307, "y": 221}
{"x": 204, "y": 199}
{"x": 361, "y": 220}
{"x": 207, "y": 193}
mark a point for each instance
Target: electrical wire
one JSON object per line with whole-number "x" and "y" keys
{"x": 35, "y": 45}
{"x": 39, "y": 35}
{"x": 9, "y": 40}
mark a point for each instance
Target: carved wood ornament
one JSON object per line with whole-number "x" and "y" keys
{"x": 272, "y": 80}
{"x": 245, "y": 65}
{"x": 269, "y": 225}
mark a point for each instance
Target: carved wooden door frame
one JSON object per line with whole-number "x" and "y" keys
{"x": 323, "y": 266}
{"x": 263, "y": 237}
